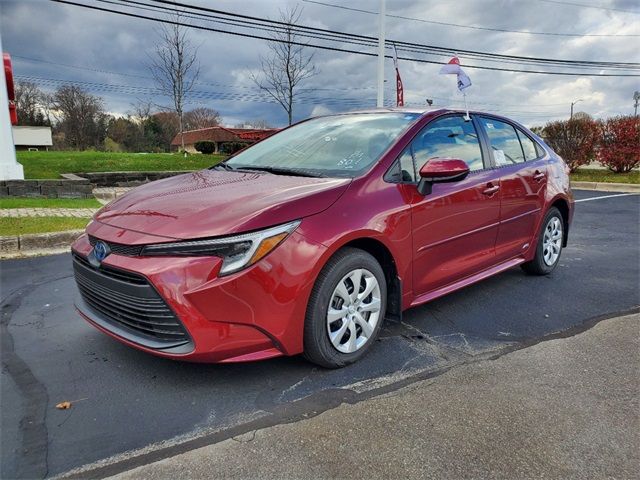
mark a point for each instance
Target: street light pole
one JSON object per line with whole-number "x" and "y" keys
{"x": 572, "y": 104}
{"x": 381, "y": 19}
{"x": 636, "y": 98}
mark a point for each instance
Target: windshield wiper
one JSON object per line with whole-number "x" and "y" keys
{"x": 223, "y": 165}
{"x": 298, "y": 172}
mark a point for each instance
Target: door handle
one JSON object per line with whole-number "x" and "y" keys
{"x": 538, "y": 176}
{"x": 491, "y": 189}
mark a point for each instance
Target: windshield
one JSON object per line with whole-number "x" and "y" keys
{"x": 334, "y": 146}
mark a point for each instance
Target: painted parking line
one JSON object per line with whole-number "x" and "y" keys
{"x": 605, "y": 196}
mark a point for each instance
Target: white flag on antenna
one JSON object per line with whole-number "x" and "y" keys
{"x": 453, "y": 67}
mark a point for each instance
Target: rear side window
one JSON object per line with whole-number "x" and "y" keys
{"x": 528, "y": 146}
{"x": 504, "y": 141}
{"x": 449, "y": 137}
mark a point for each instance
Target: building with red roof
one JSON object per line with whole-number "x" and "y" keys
{"x": 219, "y": 136}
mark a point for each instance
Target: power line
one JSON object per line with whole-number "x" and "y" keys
{"x": 400, "y": 44}
{"x": 218, "y": 84}
{"x": 585, "y": 5}
{"x": 325, "y": 47}
{"x": 198, "y": 96}
{"x": 426, "y": 50}
{"x": 472, "y": 27}
{"x": 195, "y": 95}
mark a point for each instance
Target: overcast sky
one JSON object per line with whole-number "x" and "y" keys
{"x": 107, "y": 49}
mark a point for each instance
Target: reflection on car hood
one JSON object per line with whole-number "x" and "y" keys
{"x": 214, "y": 202}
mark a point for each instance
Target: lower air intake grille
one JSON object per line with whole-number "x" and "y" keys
{"x": 127, "y": 301}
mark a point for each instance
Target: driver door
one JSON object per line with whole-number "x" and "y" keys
{"x": 456, "y": 225}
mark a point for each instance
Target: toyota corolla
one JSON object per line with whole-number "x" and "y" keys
{"x": 306, "y": 241}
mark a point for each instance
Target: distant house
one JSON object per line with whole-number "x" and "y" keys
{"x": 32, "y": 138}
{"x": 219, "y": 136}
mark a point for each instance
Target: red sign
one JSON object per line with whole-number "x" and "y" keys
{"x": 8, "y": 73}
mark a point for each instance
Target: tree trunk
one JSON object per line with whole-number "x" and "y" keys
{"x": 184, "y": 152}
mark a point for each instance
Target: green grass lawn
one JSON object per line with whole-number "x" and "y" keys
{"x": 21, "y": 202}
{"x": 23, "y": 225}
{"x": 595, "y": 175}
{"x": 52, "y": 164}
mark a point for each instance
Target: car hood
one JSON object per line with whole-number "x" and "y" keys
{"x": 211, "y": 203}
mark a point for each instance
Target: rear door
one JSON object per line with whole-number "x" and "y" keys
{"x": 523, "y": 181}
{"x": 455, "y": 226}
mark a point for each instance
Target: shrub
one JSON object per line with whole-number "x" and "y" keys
{"x": 574, "y": 140}
{"x": 111, "y": 145}
{"x": 619, "y": 146}
{"x": 232, "y": 147}
{"x": 205, "y": 147}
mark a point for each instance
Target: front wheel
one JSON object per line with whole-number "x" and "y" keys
{"x": 346, "y": 309}
{"x": 549, "y": 245}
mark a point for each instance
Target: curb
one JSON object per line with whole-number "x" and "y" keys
{"x": 607, "y": 187}
{"x": 38, "y": 243}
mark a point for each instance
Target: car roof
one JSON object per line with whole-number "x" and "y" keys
{"x": 426, "y": 111}
{"x": 419, "y": 110}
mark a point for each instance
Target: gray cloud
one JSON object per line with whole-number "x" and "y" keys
{"x": 62, "y": 34}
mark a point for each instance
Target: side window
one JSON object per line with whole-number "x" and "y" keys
{"x": 528, "y": 146}
{"x": 449, "y": 137}
{"x": 504, "y": 141}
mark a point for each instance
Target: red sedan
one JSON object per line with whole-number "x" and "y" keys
{"x": 308, "y": 240}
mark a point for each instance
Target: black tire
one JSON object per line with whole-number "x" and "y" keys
{"x": 538, "y": 266}
{"x": 318, "y": 348}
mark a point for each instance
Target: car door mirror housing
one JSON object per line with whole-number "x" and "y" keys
{"x": 441, "y": 170}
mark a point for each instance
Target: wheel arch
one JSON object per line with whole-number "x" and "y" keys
{"x": 381, "y": 252}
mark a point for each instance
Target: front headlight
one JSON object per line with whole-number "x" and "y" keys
{"x": 237, "y": 252}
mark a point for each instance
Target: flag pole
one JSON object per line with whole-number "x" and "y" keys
{"x": 466, "y": 107}
{"x": 381, "y": 19}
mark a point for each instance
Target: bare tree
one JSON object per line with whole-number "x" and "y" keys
{"x": 80, "y": 117}
{"x": 29, "y": 104}
{"x": 287, "y": 65}
{"x": 201, "y": 117}
{"x": 175, "y": 66}
{"x": 142, "y": 111}
{"x": 141, "y": 114}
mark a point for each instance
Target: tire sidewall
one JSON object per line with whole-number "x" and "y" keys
{"x": 316, "y": 321}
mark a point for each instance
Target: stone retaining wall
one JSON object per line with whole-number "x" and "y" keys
{"x": 63, "y": 188}
{"x": 125, "y": 179}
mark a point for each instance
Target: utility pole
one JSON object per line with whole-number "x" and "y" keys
{"x": 572, "y": 104}
{"x": 636, "y": 98}
{"x": 381, "y": 18}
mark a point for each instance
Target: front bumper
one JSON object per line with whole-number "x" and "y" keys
{"x": 253, "y": 314}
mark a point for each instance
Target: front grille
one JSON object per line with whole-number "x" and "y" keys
{"x": 114, "y": 272}
{"x": 119, "y": 248}
{"x": 128, "y": 302}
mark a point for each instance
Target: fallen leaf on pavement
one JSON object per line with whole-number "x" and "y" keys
{"x": 63, "y": 405}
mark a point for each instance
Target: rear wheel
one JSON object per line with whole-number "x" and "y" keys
{"x": 549, "y": 245}
{"x": 346, "y": 309}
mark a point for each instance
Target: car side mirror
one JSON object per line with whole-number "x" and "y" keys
{"x": 441, "y": 170}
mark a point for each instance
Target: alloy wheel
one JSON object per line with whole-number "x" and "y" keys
{"x": 354, "y": 311}
{"x": 552, "y": 241}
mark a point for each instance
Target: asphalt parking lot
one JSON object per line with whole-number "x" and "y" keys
{"x": 125, "y": 400}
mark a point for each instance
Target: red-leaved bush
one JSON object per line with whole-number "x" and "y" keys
{"x": 574, "y": 140}
{"x": 619, "y": 146}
